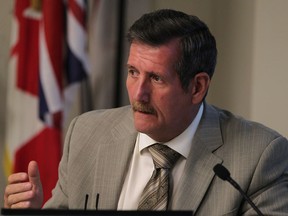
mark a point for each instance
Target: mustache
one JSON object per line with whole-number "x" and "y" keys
{"x": 142, "y": 107}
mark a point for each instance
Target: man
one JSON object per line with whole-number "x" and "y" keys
{"x": 107, "y": 155}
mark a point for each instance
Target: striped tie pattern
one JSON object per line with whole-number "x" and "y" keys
{"x": 156, "y": 193}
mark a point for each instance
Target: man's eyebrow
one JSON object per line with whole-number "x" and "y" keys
{"x": 130, "y": 66}
{"x": 149, "y": 72}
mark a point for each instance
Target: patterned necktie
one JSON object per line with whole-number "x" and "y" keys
{"x": 155, "y": 193}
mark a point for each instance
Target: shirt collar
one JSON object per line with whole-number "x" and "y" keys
{"x": 181, "y": 143}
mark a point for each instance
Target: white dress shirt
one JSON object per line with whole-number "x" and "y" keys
{"x": 141, "y": 165}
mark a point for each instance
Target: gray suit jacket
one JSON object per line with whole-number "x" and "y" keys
{"x": 99, "y": 145}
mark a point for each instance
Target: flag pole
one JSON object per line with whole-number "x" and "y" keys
{"x": 119, "y": 54}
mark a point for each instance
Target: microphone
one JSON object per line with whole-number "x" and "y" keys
{"x": 224, "y": 174}
{"x": 86, "y": 201}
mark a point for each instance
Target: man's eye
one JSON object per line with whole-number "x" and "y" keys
{"x": 156, "y": 78}
{"x": 132, "y": 73}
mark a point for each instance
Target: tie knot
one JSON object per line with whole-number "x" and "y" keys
{"x": 163, "y": 156}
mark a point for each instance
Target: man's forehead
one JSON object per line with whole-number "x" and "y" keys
{"x": 169, "y": 50}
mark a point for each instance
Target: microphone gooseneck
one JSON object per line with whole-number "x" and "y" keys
{"x": 86, "y": 201}
{"x": 224, "y": 174}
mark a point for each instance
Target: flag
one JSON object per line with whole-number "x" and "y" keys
{"x": 77, "y": 92}
{"x": 42, "y": 66}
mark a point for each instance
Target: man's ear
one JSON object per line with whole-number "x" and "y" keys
{"x": 200, "y": 85}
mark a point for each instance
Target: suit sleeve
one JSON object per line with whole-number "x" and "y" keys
{"x": 59, "y": 199}
{"x": 269, "y": 185}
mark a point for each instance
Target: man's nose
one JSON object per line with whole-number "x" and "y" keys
{"x": 143, "y": 91}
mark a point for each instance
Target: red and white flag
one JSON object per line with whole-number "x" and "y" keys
{"x": 41, "y": 67}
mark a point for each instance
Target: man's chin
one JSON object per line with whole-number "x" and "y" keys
{"x": 143, "y": 126}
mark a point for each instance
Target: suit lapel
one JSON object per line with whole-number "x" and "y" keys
{"x": 114, "y": 158}
{"x": 198, "y": 172}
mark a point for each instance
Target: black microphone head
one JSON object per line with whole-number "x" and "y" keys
{"x": 221, "y": 172}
